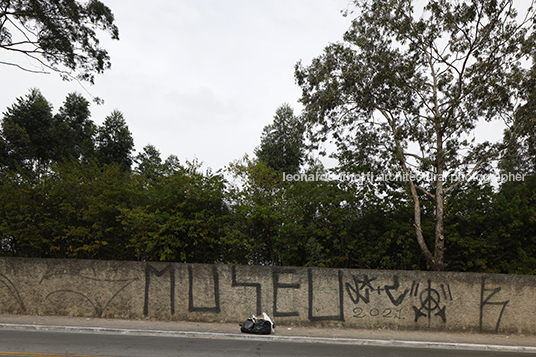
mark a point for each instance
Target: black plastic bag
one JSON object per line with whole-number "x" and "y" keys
{"x": 247, "y": 326}
{"x": 257, "y": 326}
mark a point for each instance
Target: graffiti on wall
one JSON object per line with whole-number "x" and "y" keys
{"x": 491, "y": 305}
{"x": 97, "y": 297}
{"x": 12, "y": 291}
{"x": 426, "y": 302}
{"x": 294, "y": 293}
{"x": 149, "y": 271}
{"x": 257, "y": 286}
{"x": 430, "y": 303}
{"x": 191, "y": 306}
{"x": 340, "y": 315}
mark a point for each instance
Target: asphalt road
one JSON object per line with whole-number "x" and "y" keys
{"x": 22, "y": 343}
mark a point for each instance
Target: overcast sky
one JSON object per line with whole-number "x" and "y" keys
{"x": 198, "y": 78}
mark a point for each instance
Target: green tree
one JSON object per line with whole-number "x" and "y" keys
{"x": 282, "y": 146}
{"x": 4, "y": 161}
{"x": 404, "y": 93}
{"x": 83, "y": 206}
{"x": 308, "y": 222}
{"x": 178, "y": 217}
{"x": 320, "y": 223}
{"x": 471, "y": 224}
{"x": 514, "y": 227}
{"x": 57, "y": 35}
{"x": 149, "y": 164}
{"x": 114, "y": 142}
{"x": 520, "y": 155}
{"x": 32, "y": 137}
{"x": 255, "y": 198}
{"x": 27, "y": 131}
{"x": 74, "y": 130}
{"x": 70, "y": 210}
{"x": 22, "y": 217}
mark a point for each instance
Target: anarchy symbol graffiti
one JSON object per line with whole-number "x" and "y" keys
{"x": 430, "y": 300}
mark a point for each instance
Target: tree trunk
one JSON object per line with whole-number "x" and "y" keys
{"x": 439, "y": 247}
{"x": 418, "y": 229}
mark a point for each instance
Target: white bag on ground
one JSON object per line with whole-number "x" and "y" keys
{"x": 267, "y": 318}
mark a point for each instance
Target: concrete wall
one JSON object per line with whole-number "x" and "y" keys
{"x": 352, "y": 298}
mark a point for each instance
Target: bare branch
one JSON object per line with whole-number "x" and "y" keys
{"x": 426, "y": 192}
{"x": 24, "y": 69}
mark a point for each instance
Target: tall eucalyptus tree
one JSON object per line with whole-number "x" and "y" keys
{"x": 407, "y": 87}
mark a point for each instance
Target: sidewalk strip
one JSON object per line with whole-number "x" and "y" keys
{"x": 32, "y": 354}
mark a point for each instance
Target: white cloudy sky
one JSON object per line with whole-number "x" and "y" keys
{"x": 198, "y": 78}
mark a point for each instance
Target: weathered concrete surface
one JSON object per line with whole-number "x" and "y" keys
{"x": 227, "y": 293}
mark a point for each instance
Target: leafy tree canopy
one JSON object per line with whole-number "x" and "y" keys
{"x": 27, "y": 132}
{"x": 114, "y": 142}
{"x": 181, "y": 212}
{"x": 31, "y": 137}
{"x": 57, "y": 35}
{"x": 74, "y": 130}
{"x": 282, "y": 145}
{"x": 408, "y": 86}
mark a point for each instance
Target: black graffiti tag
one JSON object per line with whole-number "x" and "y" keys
{"x": 486, "y": 296}
{"x": 430, "y": 300}
{"x": 365, "y": 284}
{"x": 396, "y": 301}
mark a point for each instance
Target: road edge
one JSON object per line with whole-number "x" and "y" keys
{"x": 302, "y": 339}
